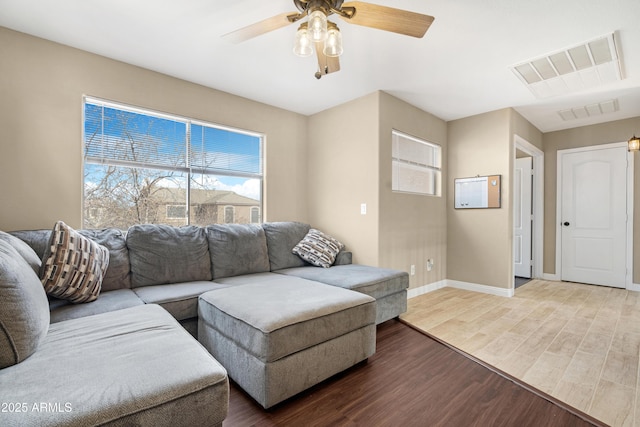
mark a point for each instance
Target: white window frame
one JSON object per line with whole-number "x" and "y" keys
{"x": 189, "y": 169}
{"x": 416, "y": 165}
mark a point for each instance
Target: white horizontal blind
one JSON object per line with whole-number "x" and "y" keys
{"x": 415, "y": 165}
{"x": 214, "y": 149}
{"x": 126, "y": 137}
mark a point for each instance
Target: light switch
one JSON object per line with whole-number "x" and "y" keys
{"x": 363, "y": 209}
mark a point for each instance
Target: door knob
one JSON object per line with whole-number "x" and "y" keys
{"x": 566, "y": 223}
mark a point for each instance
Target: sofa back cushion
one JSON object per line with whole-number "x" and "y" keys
{"x": 24, "y": 310}
{"x": 118, "y": 273}
{"x": 237, "y": 249}
{"x": 282, "y": 237}
{"x": 26, "y": 252}
{"x": 161, "y": 254}
{"x": 38, "y": 240}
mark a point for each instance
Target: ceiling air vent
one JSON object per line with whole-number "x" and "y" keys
{"x": 590, "y": 110}
{"x": 579, "y": 67}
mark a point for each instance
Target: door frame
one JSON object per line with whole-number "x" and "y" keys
{"x": 537, "y": 226}
{"x": 629, "y": 209}
{"x": 525, "y": 218}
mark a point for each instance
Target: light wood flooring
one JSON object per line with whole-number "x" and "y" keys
{"x": 578, "y": 343}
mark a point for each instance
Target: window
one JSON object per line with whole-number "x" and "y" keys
{"x": 176, "y": 211}
{"x": 255, "y": 215}
{"x": 416, "y": 165}
{"x": 142, "y": 166}
{"x": 229, "y": 213}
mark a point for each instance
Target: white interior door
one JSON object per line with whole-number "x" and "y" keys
{"x": 593, "y": 216}
{"x": 522, "y": 217}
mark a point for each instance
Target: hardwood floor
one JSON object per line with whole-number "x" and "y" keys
{"x": 411, "y": 380}
{"x": 578, "y": 343}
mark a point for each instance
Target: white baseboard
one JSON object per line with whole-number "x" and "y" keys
{"x": 424, "y": 289}
{"x": 633, "y": 287}
{"x": 556, "y": 278}
{"x": 492, "y": 290}
{"x": 475, "y": 287}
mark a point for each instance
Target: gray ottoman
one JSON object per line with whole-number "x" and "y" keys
{"x": 283, "y": 336}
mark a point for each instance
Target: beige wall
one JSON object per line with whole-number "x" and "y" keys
{"x": 319, "y": 169}
{"x": 343, "y": 173}
{"x": 413, "y": 228}
{"x": 41, "y": 89}
{"x": 521, "y": 127}
{"x": 350, "y": 164}
{"x": 616, "y": 131}
{"x": 479, "y": 241}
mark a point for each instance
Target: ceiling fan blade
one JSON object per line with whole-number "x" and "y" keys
{"x": 259, "y": 28}
{"x": 389, "y": 19}
{"x": 326, "y": 64}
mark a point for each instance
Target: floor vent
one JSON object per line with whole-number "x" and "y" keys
{"x": 590, "y": 64}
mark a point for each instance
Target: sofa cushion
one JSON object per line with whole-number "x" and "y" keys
{"x": 38, "y": 240}
{"x": 275, "y": 319}
{"x": 132, "y": 367}
{"x": 73, "y": 266}
{"x": 249, "y": 278}
{"x": 318, "y": 248}
{"x": 107, "y": 301}
{"x": 237, "y": 249}
{"x": 281, "y": 239}
{"x": 118, "y": 274}
{"x": 25, "y": 251}
{"x": 373, "y": 281}
{"x": 179, "y": 299}
{"x": 161, "y": 254}
{"x": 24, "y": 312}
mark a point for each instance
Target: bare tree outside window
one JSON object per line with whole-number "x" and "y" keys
{"x": 142, "y": 167}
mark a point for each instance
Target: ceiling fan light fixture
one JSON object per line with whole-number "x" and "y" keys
{"x": 333, "y": 43}
{"x": 317, "y": 25}
{"x": 303, "y": 46}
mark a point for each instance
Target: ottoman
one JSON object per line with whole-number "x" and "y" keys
{"x": 280, "y": 337}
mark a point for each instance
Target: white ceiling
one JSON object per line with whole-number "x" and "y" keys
{"x": 460, "y": 68}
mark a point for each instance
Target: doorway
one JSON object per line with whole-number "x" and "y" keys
{"x": 527, "y": 250}
{"x": 592, "y": 216}
{"x": 522, "y": 217}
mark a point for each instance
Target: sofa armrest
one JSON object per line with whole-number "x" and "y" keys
{"x": 343, "y": 258}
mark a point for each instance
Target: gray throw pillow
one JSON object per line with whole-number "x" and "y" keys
{"x": 24, "y": 310}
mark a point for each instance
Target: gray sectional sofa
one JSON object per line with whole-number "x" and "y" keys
{"x": 123, "y": 359}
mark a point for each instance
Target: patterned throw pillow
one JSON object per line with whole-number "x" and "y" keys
{"x": 73, "y": 266}
{"x": 318, "y": 249}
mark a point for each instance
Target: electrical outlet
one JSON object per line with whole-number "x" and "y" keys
{"x": 413, "y": 270}
{"x": 429, "y": 264}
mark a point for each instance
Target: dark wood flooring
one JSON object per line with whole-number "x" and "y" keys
{"x": 412, "y": 380}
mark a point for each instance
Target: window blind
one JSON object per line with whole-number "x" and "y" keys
{"x": 122, "y": 137}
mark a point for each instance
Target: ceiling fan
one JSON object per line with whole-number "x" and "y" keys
{"x": 323, "y": 36}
